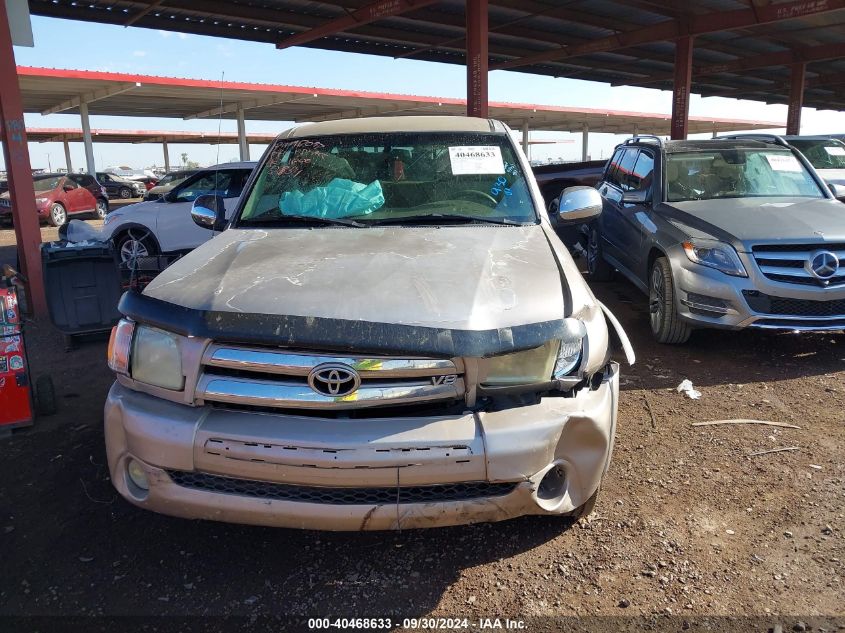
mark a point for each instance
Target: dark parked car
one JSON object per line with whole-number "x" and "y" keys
{"x": 57, "y": 197}
{"x": 169, "y": 181}
{"x": 734, "y": 233}
{"x": 554, "y": 178}
{"x": 118, "y": 187}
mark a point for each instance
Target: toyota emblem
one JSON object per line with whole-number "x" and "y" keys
{"x": 823, "y": 265}
{"x": 334, "y": 380}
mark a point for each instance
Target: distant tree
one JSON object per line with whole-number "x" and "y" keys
{"x": 184, "y": 158}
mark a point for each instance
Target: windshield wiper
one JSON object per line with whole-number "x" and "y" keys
{"x": 282, "y": 219}
{"x": 440, "y": 218}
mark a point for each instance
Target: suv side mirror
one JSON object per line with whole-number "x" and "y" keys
{"x": 68, "y": 187}
{"x": 579, "y": 205}
{"x": 209, "y": 212}
{"x": 636, "y": 196}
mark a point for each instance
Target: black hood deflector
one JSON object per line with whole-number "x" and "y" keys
{"x": 336, "y": 335}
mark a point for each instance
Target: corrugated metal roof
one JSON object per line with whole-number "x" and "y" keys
{"x": 520, "y": 28}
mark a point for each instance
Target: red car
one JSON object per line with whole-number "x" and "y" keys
{"x": 57, "y": 197}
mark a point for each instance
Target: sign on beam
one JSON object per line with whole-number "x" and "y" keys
{"x": 19, "y": 22}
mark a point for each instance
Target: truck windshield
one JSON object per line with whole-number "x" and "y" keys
{"x": 737, "y": 173}
{"x": 391, "y": 178}
{"x": 822, "y": 154}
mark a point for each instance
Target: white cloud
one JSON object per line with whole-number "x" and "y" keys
{"x": 139, "y": 53}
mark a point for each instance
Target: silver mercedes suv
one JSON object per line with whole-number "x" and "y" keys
{"x": 388, "y": 334}
{"x": 722, "y": 233}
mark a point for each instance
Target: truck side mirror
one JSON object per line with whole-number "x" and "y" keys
{"x": 209, "y": 212}
{"x": 837, "y": 190}
{"x": 579, "y": 205}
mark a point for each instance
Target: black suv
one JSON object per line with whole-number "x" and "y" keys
{"x": 121, "y": 187}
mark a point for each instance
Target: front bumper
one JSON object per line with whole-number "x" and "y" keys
{"x": 709, "y": 298}
{"x": 264, "y": 468}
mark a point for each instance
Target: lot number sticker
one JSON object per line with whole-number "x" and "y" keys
{"x": 476, "y": 159}
{"x": 835, "y": 151}
{"x": 783, "y": 162}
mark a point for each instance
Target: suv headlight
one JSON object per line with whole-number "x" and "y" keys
{"x": 147, "y": 354}
{"x": 554, "y": 359}
{"x": 715, "y": 254}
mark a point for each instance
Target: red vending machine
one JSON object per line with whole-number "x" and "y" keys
{"x": 16, "y": 402}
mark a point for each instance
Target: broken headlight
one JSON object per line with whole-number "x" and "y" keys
{"x": 553, "y": 360}
{"x": 571, "y": 347}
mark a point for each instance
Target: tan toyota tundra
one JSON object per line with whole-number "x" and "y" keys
{"x": 387, "y": 334}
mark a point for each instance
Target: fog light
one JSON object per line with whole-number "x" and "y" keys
{"x": 137, "y": 475}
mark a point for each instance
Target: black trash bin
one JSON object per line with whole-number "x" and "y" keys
{"x": 83, "y": 285}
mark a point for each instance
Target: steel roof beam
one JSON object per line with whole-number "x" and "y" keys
{"x": 368, "y": 13}
{"x": 143, "y": 12}
{"x": 91, "y": 97}
{"x": 675, "y": 29}
{"x": 247, "y": 105}
{"x": 784, "y": 58}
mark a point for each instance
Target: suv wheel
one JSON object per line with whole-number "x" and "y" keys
{"x": 133, "y": 245}
{"x": 102, "y": 209}
{"x": 598, "y": 268}
{"x": 58, "y": 215}
{"x": 666, "y": 324}
{"x": 125, "y": 193}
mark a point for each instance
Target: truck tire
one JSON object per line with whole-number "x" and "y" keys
{"x": 598, "y": 268}
{"x": 585, "y": 509}
{"x": 666, "y": 324}
{"x": 45, "y": 396}
{"x": 124, "y": 193}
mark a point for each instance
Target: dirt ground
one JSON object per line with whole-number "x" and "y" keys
{"x": 689, "y": 526}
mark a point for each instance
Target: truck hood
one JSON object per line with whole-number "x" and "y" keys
{"x": 460, "y": 277}
{"x": 743, "y": 221}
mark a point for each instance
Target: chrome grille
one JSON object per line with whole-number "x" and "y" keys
{"x": 788, "y": 263}
{"x": 341, "y": 496}
{"x": 278, "y": 378}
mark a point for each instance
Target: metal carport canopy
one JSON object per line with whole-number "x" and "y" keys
{"x": 630, "y": 42}
{"x": 58, "y": 135}
{"x": 49, "y": 91}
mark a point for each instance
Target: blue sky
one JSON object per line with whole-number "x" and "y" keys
{"x": 80, "y": 45}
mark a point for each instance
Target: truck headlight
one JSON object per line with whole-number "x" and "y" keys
{"x": 715, "y": 254}
{"x": 156, "y": 358}
{"x": 571, "y": 347}
{"x": 522, "y": 368}
{"x": 554, "y": 359}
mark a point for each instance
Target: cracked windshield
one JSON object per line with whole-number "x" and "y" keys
{"x": 362, "y": 180}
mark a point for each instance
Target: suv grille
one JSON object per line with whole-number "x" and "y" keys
{"x": 279, "y": 378}
{"x": 768, "y": 304}
{"x": 788, "y": 263}
{"x": 341, "y": 496}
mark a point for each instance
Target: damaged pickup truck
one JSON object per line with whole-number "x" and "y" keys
{"x": 387, "y": 334}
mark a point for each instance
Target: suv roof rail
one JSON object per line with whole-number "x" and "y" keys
{"x": 643, "y": 137}
{"x": 766, "y": 138}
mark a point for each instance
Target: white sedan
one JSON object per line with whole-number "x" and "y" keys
{"x": 164, "y": 226}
